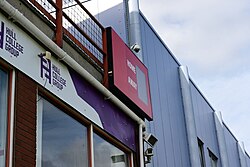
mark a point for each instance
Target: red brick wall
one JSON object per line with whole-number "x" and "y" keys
{"x": 25, "y": 122}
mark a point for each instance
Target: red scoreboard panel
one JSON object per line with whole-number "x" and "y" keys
{"x": 128, "y": 76}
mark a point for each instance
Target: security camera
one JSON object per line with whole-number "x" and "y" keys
{"x": 149, "y": 152}
{"x": 148, "y": 155}
{"x": 136, "y": 48}
{"x": 150, "y": 139}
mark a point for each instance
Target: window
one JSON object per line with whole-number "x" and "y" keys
{"x": 105, "y": 154}
{"x": 64, "y": 140}
{"x": 3, "y": 115}
{"x": 201, "y": 153}
{"x": 213, "y": 159}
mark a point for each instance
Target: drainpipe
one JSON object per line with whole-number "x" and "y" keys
{"x": 242, "y": 154}
{"x": 141, "y": 158}
{"x": 134, "y": 26}
{"x": 12, "y": 111}
{"x": 221, "y": 138}
{"x": 189, "y": 116}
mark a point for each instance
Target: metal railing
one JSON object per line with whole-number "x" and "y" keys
{"x": 72, "y": 19}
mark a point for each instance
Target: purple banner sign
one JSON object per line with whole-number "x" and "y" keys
{"x": 114, "y": 121}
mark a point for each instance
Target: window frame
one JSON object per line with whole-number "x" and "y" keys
{"x": 91, "y": 128}
{"x": 115, "y": 143}
{"x": 10, "y": 111}
{"x": 201, "y": 153}
{"x": 63, "y": 108}
{"x": 212, "y": 158}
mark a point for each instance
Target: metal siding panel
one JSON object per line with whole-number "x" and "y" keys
{"x": 196, "y": 110}
{"x": 168, "y": 124}
{"x": 232, "y": 149}
{"x": 201, "y": 112}
{"x": 172, "y": 113}
{"x": 175, "y": 111}
{"x": 248, "y": 161}
{"x": 205, "y": 123}
{"x": 160, "y": 152}
{"x": 178, "y": 108}
{"x": 165, "y": 114}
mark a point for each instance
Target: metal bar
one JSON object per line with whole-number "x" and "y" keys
{"x": 105, "y": 81}
{"x": 66, "y": 32}
{"x": 53, "y": 4}
{"x": 58, "y": 21}
{"x": 83, "y": 33}
{"x": 59, "y": 26}
{"x": 90, "y": 15}
{"x": 47, "y": 14}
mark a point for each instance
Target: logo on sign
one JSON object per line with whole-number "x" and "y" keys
{"x": 51, "y": 72}
{"x": 11, "y": 43}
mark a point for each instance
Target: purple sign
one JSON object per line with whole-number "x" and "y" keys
{"x": 51, "y": 72}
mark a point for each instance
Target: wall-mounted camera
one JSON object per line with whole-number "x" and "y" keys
{"x": 136, "y": 48}
{"x": 151, "y": 140}
{"x": 148, "y": 154}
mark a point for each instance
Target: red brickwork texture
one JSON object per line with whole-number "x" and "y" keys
{"x": 25, "y": 122}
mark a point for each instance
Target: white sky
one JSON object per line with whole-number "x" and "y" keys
{"x": 211, "y": 37}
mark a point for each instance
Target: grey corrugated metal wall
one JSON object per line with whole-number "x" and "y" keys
{"x": 169, "y": 124}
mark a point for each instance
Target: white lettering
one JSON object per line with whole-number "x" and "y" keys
{"x": 131, "y": 66}
{"x": 132, "y": 83}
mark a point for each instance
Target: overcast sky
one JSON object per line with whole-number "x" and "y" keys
{"x": 212, "y": 38}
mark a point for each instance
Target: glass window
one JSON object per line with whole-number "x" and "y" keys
{"x": 3, "y": 115}
{"x": 201, "y": 153}
{"x": 213, "y": 159}
{"x": 106, "y": 154}
{"x": 64, "y": 140}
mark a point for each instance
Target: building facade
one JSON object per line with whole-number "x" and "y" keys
{"x": 104, "y": 91}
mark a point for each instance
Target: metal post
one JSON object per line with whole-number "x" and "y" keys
{"x": 59, "y": 26}
{"x": 105, "y": 81}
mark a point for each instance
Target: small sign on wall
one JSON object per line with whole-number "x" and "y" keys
{"x": 128, "y": 76}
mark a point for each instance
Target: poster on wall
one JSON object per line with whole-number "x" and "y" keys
{"x": 128, "y": 76}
